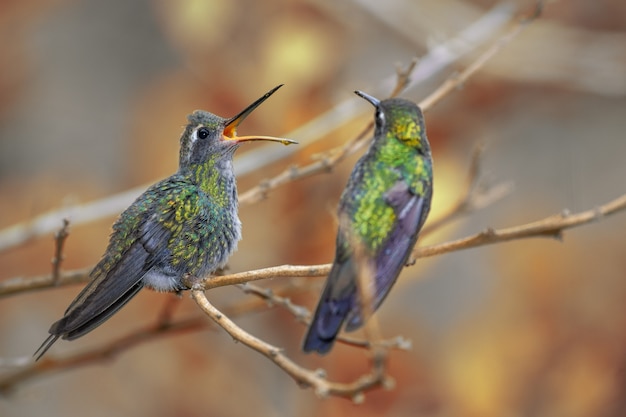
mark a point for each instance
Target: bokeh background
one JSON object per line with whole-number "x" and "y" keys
{"x": 93, "y": 96}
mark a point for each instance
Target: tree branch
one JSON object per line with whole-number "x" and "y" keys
{"x": 303, "y": 376}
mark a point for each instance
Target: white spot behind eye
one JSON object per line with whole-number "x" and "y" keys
{"x": 380, "y": 116}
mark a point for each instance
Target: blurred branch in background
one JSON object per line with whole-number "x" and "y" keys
{"x": 439, "y": 58}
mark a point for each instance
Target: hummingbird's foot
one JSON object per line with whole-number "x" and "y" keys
{"x": 221, "y": 271}
{"x": 190, "y": 282}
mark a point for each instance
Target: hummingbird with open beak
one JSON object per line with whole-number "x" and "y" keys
{"x": 183, "y": 226}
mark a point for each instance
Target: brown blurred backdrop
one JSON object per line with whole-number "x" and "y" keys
{"x": 93, "y": 96}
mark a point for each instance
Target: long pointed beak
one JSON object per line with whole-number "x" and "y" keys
{"x": 375, "y": 102}
{"x": 230, "y": 131}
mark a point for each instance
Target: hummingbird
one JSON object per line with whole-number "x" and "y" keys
{"x": 183, "y": 226}
{"x": 380, "y": 212}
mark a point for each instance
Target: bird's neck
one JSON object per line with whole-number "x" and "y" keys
{"x": 216, "y": 178}
{"x": 392, "y": 152}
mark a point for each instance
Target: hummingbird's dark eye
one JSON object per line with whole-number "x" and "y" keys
{"x": 203, "y": 133}
{"x": 380, "y": 116}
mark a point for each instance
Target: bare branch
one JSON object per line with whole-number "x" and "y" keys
{"x": 299, "y": 312}
{"x": 303, "y": 376}
{"x": 552, "y": 226}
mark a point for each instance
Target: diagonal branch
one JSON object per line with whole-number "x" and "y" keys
{"x": 304, "y": 377}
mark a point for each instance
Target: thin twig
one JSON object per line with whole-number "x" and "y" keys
{"x": 303, "y": 315}
{"x": 366, "y": 285}
{"x": 474, "y": 198}
{"x": 59, "y": 241}
{"x": 299, "y": 312}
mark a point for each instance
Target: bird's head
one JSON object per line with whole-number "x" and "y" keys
{"x": 401, "y": 119}
{"x": 209, "y": 136}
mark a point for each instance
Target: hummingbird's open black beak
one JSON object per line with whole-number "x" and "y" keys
{"x": 375, "y": 102}
{"x": 230, "y": 130}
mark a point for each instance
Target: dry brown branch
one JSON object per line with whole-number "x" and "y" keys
{"x": 552, "y": 226}
{"x": 303, "y": 376}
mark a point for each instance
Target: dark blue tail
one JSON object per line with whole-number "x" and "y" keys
{"x": 326, "y": 324}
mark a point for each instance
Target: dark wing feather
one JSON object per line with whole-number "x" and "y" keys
{"x": 336, "y": 302}
{"x": 111, "y": 287}
{"x": 411, "y": 212}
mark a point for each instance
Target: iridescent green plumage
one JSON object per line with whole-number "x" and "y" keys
{"x": 381, "y": 210}
{"x": 185, "y": 225}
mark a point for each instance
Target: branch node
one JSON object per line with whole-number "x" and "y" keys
{"x": 358, "y": 398}
{"x": 388, "y": 383}
{"x": 274, "y": 352}
{"x": 403, "y": 344}
{"x": 294, "y": 172}
{"x": 321, "y": 373}
{"x": 321, "y": 391}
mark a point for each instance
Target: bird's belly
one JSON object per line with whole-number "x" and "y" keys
{"x": 197, "y": 251}
{"x": 164, "y": 281}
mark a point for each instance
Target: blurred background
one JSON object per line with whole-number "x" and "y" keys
{"x": 93, "y": 97}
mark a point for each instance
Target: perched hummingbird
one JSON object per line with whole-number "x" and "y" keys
{"x": 381, "y": 210}
{"x": 185, "y": 225}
